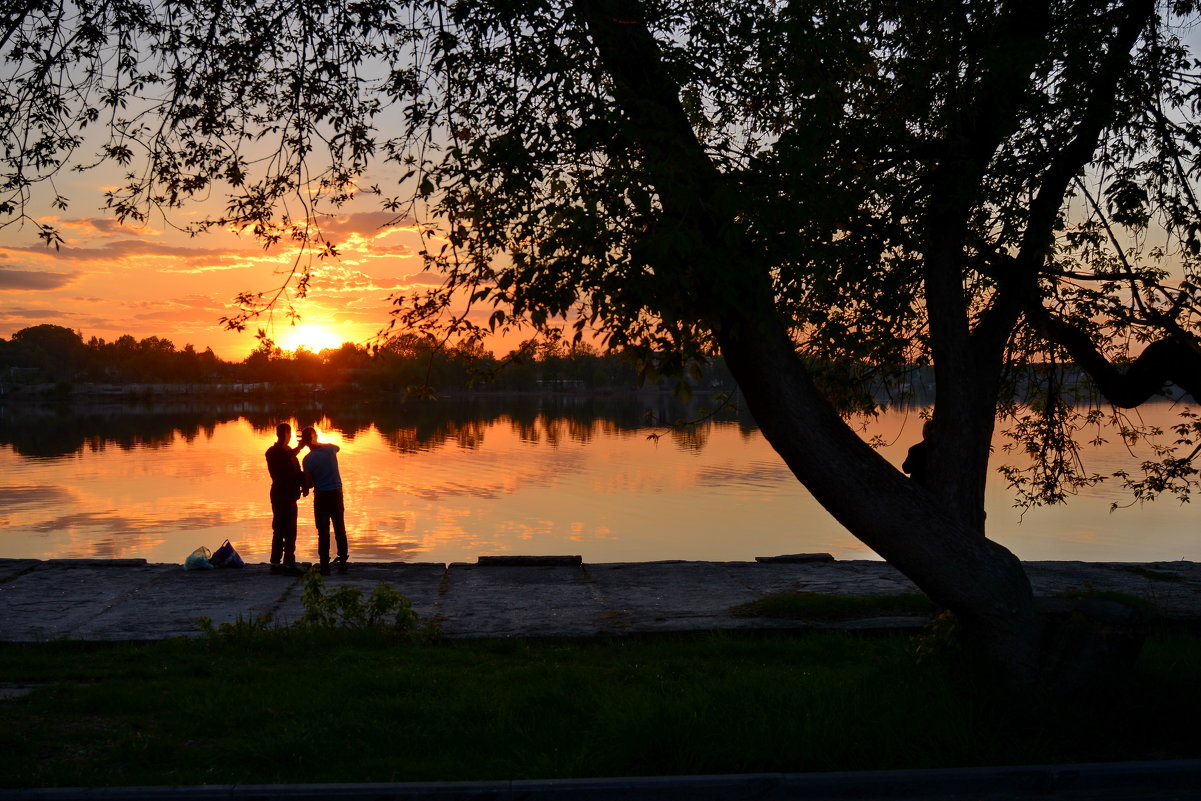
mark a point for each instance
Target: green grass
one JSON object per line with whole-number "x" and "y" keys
{"x": 1154, "y": 575}
{"x": 1124, "y": 598}
{"x": 819, "y": 606}
{"x": 294, "y": 706}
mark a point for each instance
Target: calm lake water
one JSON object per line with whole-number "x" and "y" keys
{"x": 450, "y": 481}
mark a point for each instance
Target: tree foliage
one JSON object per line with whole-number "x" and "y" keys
{"x": 827, "y": 192}
{"x": 58, "y": 353}
{"x": 1053, "y": 143}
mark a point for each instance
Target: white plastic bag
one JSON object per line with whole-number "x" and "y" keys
{"x": 198, "y": 560}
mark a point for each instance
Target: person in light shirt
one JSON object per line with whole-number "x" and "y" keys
{"x": 321, "y": 473}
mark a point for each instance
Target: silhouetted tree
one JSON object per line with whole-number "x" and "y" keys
{"x": 827, "y": 193}
{"x": 346, "y": 358}
{"x": 57, "y": 351}
{"x": 150, "y": 360}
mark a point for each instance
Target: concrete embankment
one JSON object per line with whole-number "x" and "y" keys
{"x": 129, "y": 599}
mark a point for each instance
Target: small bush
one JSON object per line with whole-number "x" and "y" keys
{"x": 346, "y": 607}
{"x": 940, "y": 639}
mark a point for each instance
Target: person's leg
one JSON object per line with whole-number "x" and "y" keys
{"x": 338, "y": 518}
{"x": 321, "y": 514}
{"x": 277, "y": 539}
{"x": 289, "y": 537}
{"x": 279, "y": 522}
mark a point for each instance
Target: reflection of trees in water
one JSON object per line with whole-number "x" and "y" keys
{"x": 549, "y": 419}
{"x": 63, "y": 429}
{"x": 54, "y": 430}
{"x": 692, "y": 439}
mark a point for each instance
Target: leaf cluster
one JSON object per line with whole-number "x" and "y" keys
{"x": 894, "y": 171}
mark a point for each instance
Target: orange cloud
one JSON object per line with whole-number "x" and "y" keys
{"x": 119, "y": 250}
{"x": 366, "y": 224}
{"x": 33, "y": 280}
{"x": 97, "y": 226}
{"x": 24, "y": 318}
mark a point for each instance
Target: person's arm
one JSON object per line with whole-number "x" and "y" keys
{"x": 915, "y": 462}
{"x": 301, "y": 477}
{"x": 306, "y": 478}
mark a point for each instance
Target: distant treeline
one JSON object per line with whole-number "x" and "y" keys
{"x": 51, "y": 359}
{"x": 58, "y": 429}
{"x": 52, "y": 354}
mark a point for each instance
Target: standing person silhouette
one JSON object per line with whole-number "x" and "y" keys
{"x": 287, "y": 485}
{"x": 321, "y": 473}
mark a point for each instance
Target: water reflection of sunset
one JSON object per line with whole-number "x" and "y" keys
{"x": 440, "y": 488}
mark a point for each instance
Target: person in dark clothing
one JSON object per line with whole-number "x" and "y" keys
{"x": 916, "y": 462}
{"x": 287, "y": 485}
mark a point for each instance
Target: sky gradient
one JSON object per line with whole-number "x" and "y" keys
{"x": 108, "y": 279}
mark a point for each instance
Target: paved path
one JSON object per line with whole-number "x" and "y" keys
{"x": 128, "y": 599}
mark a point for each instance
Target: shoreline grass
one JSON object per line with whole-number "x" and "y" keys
{"x": 336, "y": 706}
{"x": 828, "y": 607}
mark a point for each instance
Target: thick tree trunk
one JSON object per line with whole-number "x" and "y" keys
{"x": 979, "y": 580}
{"x": 1066, "y": 648}
{"x": 936, "y": 540}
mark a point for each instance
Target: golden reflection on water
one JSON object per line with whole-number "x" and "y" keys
{"x": 544, "y": 485}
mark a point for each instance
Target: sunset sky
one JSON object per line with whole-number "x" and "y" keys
{"x": 108, "y": 279}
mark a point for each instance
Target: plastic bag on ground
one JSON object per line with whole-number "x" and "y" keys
{"x": 226, "y": 556}
{"x": 198, "y": 560}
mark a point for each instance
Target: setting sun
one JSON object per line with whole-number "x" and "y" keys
{"x": 314, "y": 336}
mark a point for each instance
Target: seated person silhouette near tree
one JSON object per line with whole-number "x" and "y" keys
{"x": 915, "y": 463}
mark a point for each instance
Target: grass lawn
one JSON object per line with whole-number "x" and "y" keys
{"x": 336, "y": 706}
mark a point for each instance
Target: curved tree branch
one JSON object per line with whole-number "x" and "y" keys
{"x": 1021, "y": 286}
{"x": 1175, "y": 359}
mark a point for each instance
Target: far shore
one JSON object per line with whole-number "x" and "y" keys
{"x": 41, "y": 393}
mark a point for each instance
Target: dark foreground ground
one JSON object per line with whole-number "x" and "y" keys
{"x": 128, "y": 599}
{"x": 1131, "y": 781}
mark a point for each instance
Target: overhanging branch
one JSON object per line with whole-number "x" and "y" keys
{"x": 1175, "y": 359}
{"x": 1020, "y": 288}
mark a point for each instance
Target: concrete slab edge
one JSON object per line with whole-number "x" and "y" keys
{"x": 530, "y": 561}
{"x": 80, "y": 562}
{"x": 1179, "y": 778}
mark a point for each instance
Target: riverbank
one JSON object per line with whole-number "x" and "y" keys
{"x": 129, "y": 599}
{"x": 532, "y": 693}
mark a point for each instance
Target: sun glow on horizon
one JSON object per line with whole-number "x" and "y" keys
{"x": 313, "y": 336}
